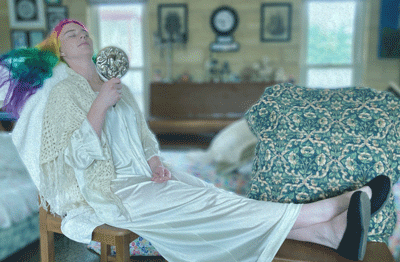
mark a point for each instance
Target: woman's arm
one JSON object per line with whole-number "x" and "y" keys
{"x": 149, "y": 143}
{"x": 110, "y": 94}
{"x": 96, "y": 116}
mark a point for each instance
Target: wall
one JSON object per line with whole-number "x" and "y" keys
{"x": 378, "y": 72}
{"x": 5, "y": 42}
{"x": 196, "y": 54}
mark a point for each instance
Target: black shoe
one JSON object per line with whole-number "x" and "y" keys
{"x": 380, "y": 187}
{"x": 354, "y": 242}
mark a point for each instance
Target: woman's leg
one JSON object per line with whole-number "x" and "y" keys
{"x": 327, "y": 233}
{"x": 325, "y": 210}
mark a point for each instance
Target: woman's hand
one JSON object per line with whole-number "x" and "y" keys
{"x": 161, "y": 174}
{"x": 110, "y": 92}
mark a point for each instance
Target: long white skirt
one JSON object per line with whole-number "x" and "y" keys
{"x": 187, "y": 219}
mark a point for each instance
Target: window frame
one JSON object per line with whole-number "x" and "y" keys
{"x": 93, "y": 24}
{"x": 357, "y": 65}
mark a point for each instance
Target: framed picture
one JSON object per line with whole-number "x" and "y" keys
{"x": 35, "y": 37}
{"x": 276, "y": 22}
{"x": 53, "y": 2}
{"x": 389, "y": 31}
{"x": 19, "y": 39}
{"x": 26, "y": 14}
{"x": 26, "y": 38}
{"x": 54, "y": 15}
{"x": 172, "y": 23}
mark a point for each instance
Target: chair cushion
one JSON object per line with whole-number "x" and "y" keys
{"x": 318, "y": 143}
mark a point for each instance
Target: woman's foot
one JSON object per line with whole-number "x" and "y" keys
{"x": 380, "y": 187}
{"x": 354, "y": 241}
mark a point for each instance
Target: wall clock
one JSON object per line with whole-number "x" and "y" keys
{"x": 224, "y": 22}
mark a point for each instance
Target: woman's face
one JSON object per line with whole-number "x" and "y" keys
{"x": 75, "y": 42}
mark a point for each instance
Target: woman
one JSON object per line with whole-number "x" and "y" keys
{"x": 99, "y": 163}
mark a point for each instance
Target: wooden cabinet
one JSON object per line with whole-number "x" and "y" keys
{"x": 200, "y": 108}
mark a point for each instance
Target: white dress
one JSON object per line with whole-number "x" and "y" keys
{"x": 185, "y": 218}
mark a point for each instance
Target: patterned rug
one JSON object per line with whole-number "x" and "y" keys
{"x": 148, "y": 259}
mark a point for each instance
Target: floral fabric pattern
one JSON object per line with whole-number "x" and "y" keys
{"x": 317, "y": 143}
{"x": 139, "y": 246}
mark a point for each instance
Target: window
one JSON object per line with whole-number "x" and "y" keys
{"x": 333, "y": 43}
{"x": 122, "y": 26}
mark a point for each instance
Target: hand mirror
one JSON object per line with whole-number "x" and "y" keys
{"x": 112, "y": 62}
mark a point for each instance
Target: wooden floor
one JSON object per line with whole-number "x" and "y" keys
{"x": 66, "y": 250}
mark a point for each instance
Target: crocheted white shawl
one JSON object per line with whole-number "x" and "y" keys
{"x": 49, "y": 118}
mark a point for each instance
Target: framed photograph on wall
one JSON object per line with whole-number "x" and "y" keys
{"x": 35, "y": 37}
{"x": 53, "y": 2}
{"x": 26, "y": 38}
{"x": 276, "y": 20}
{"x": 54, "y": 15}
{"x": 172, "y": 23}
{"x": 26, "y": 14}
{"x": 389, "y": 31}
{"x": 19, "y": 39}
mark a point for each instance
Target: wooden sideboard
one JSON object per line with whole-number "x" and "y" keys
{"x": 200, "y": 108}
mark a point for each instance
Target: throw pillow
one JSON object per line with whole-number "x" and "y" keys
{"x": 230, "y": 149}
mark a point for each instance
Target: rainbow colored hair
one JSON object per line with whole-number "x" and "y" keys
{"x": 23, "y": 71}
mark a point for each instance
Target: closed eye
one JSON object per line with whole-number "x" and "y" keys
{"x": 73, "y": 33}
